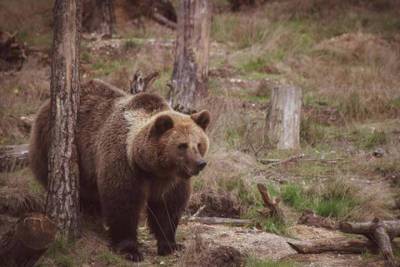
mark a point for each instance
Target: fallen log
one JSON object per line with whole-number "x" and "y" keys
{"x": 26, "y": 242}
{"x": 311, "y": 219}
{"x": 219, "y": 220}
{"x": 378, "y": 231}
{"x": 13, "y": 157}
{"x": 340, "y": 245}
{"x": 272, "y": 204}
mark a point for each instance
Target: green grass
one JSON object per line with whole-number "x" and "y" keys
{"x": 253, "y": 262}
{"x": 111, "y": 259}
{"x": 104, "y": 67}
{"x": 59, "y": 252}
{"x": 368, "y": 138}
{"x": 334, "y": 199}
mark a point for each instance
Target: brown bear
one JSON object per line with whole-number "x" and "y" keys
{"x": 134, "y": 152}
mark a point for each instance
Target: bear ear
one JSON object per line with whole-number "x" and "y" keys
{"x": 201, "y": 118}
{"x": 162, "y": 124}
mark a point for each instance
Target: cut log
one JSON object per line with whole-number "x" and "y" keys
{"x": 140, "y": 84}
{"x": 219, "y": 220}
{"x": 272, "y": 204}
{"x": 283, "y": 117}
{"x": 340, "y": 245}
{"x": 13, "y": 157}
{"x": 26, "y": 242}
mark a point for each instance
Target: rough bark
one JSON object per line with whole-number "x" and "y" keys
{"x": 12, "y": 53}
{"x": 337, "y": 245}
{"x": 13, "y": 158}
{"x": 189, "y": 78}
{"x": 272, "y": 204}
{"x": 283, "y": 119}
{"x": 62, "y": 203}
{"x": 98, "y": 16}
{"x": 26, "y": 242}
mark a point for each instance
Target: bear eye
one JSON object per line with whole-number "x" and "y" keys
{"x": 183, "y": 146}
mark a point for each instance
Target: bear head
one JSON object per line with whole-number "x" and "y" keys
{"x": 174, "y": 144}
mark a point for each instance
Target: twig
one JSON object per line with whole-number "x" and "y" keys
{"x": 274, "y": 162}
{"x": 163, "y": 20}
{"x": 219, "y": 220}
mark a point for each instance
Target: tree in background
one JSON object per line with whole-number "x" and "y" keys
{"x": 98, "y": 16}
{"x": 62, "y": 203}
{"x": 190, "y": 75}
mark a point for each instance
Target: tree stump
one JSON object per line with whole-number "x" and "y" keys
{"x": 26, "y": 242}
{"x": 62, "y": 203}
{"x": 189, "y": 78}
{"x": 283, "y": 117}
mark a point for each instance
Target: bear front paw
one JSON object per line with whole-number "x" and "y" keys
{"x": 130, "y": 250}
{"x": 168, "y": 248}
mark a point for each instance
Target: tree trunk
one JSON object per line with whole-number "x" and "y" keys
{"x": 189, "y": 78}
{"x": 283, "y": 119}
{"x": 99, "y": 17}
{"x": 63, "y": 197}
{"x": 25, "y": 243}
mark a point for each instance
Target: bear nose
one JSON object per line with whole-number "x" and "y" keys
{"x": 201, "y": 164}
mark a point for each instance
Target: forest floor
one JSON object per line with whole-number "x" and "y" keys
{"x": 346, "y": 59}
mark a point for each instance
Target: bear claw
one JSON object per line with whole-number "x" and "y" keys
{"x": 168, "y": 248}
{"x": 129, "y": 248}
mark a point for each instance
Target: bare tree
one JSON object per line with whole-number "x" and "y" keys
{"x": 98, "y": 16}
{"x": 63, "y": 196}
{"x": 189, "y": 78}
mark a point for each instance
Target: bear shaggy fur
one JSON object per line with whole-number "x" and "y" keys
{"x": 134, "y": 152}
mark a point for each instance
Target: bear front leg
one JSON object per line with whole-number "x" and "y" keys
{"x": 121, "y": 209}
{"x": 164, "y": 215}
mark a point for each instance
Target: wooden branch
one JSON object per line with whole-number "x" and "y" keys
{"x": 379, "y": 232}
{"x": 219, "y": 220}
{"x": 273, "y": 162}
{"x": 340, "y": 245}
{"x": 311, "y": 219}
{"x": 140, "y": 84}
{"x": 26, "y": 242}
{"x": 13, "y": 157}
{"x": 271, "y": 203}
{"x": 163, "y": 20}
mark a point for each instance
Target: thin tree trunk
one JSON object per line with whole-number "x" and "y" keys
{"x": 107, "y": 17}
{"x": 99, "y": 17}
{"x": 63, "y": 196}
{"x": 189, "y": 78}
{"x": 283, "y": 119}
